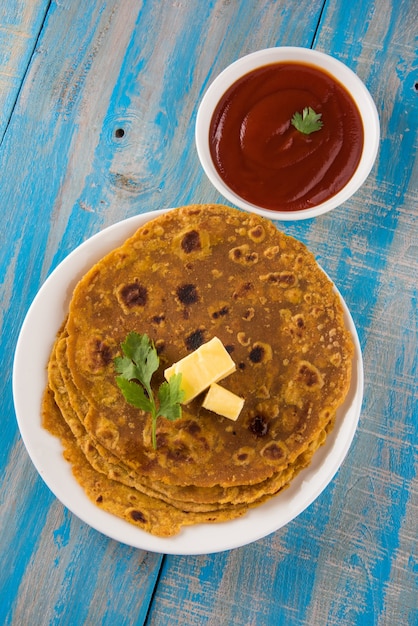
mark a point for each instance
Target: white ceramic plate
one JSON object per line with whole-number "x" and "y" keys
{"x": 37, "y": 335}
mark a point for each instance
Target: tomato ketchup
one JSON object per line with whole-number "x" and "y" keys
{"x": 263, "y": 158}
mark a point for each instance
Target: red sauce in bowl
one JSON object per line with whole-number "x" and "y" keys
{"x": 264, "y": 159}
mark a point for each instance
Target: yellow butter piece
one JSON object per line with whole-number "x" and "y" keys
{"x": 223, "y": 402}
{"x": 208, "y": 364}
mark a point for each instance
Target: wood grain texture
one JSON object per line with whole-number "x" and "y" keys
{"x": 20, "y": 24}
{"x": 351, "y": 558}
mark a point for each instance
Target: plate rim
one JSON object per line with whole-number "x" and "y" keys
{"x": 45, "y": 450}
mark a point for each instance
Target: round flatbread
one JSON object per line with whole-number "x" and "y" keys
{"x": 189, "y": 275}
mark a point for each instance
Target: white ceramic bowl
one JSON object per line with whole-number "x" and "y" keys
{"x": 330, "y": 65}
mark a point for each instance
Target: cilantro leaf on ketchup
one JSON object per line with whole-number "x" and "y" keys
{"x": 308, "y": 121}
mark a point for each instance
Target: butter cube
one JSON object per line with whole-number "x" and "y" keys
{"x": 208, "y": 364}
{"x": 223, "y": 402}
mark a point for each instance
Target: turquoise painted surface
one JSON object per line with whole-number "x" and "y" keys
{"x": 88, "y": 69}
{"x": 20, "y": 23}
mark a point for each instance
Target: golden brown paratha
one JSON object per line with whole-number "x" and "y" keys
{"x": 188, "y": 499}
{"x": 187, "y": 276}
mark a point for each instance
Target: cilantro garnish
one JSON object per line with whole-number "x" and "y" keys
{"x": 308, "y": 121}
{"x": 135, "y": 370}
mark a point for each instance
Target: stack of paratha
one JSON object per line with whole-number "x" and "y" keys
{"x": 191, "y": 274}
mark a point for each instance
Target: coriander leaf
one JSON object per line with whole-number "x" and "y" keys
{"x": 135, "y": 370}
{"x": 134, "y": 394}
{"x": 307, "y": 122}
{"x": 126, "y": 368}
{"x": 142, "y": 352}
{"x": 170, "y": 396}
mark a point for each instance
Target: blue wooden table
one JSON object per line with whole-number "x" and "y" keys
{"x": 72, "y": 74}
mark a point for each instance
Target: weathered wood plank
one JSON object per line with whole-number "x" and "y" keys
{"x": 20, "y": 23}
{"x": 378, "y": 530}
{"x": 50, "y": 560}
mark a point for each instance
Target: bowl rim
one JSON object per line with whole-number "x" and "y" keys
{"x": 325, "y": 62}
